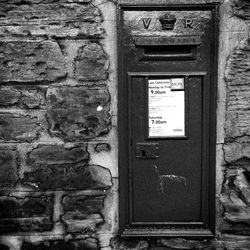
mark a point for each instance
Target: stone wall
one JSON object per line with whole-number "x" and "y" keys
{"x": 56, "y": 116}
{"x": 58, "y": 135}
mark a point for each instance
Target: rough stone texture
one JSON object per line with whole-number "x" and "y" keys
{"x": 87, "y": 244}
{"x": 80, "y": 207}
{"x": 179, "y": 243}
{"x": 241, "y": 9}
{"x": 31, "y": 61}
{"x": 50, "y": 19}
{"x": 56, "y": 155}
{"x": 237, "y": 77}
{"x": 29, "y": 97}
{"x": 91, "y": 63}
{"x": 29, "y": 214}
{"x": 102, "y": 147}
{"x": 88, "y": 225}
{"x": 9, "y": 96}
{"x": 19, "y": 127}
{"x": 68, "y": 177}
{"x": 77, "y": 113}
{"x": 235, "y": 197}
{"x": 57, "y": 30}
{"x": 82, "y": 213}
{"x": 131, "y": 244}
{"x": 57, "y": 168}
{"x": 45, "y": 46}
{"x": 8, "y": 167}
{"x": 236, "y": 201}
{"x": 238, "y": 151}
{"x": 23, "y": 11}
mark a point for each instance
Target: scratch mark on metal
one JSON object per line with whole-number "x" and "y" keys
{"x": 162, "y": 179}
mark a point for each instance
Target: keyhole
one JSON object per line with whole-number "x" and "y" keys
{"x": 143, "y": 153}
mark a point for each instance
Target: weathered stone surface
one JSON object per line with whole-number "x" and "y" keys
{"x": 50, "y": 11}
{"x": 77, "y": 113}
{"x": 57, "y": 30}
{"x": 241, "y": 9}
{"x": 235, "y": 196}
{"x": 50, "y": 155}
{"x": 86, "y": 244}
{"x": 88, "y": 225}
{"x": 31, "y": 61}
{"x": 238, "y": 102}
{"x": 237, "y": 151}
{"x": 28, "y": 97}
{"x": 57, "y": 168}
{"x": 29, "y": 214}
{"x": 60, "y": 30}
{"x": 180, "y": 243}
{"x": 80, "y": 207}
{"x": 9, "y": 96}
{"x": 60, "y": 19}
{"x": 19, "y": 127}
{"x": 91, "y": 63}
{"x": 68, "y": 177}
{"x": 102, "y": 147}
{"x": 132, "y": 244}
{"x": 8, "y": 167}
{"x": 236, "y": 201}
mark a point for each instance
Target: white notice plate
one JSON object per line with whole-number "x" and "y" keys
{"x": 166, "y": 107}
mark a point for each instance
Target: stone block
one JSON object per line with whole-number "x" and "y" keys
{"x": 28, "y": 214}
{"x": 88, "y": 225}
{"x": 69, "y": 30}
{"x": 68, "y": 177}
{"x": 56, "y": 155}
{"x": 122, "y": 244}
{"x": 19, "y": 127}
{"x": 237, "y": 124}
{"x": 28, "y": 97}
{"x": 241, "y": 9}
{"x": 31, "y": 61}
{"x": 8, "y": 167}
{"x": 67, "y": 19}
{"x": 9, "y": 96}
{"x": 82, "y": 213}
{"x": 86, "y": 244}
{"x": 77, "y": 113}
{"x": 80, "y": 207}
{"x": 91, "y": 63}
{"x": 17, "y": 12}
{"x": 237, "y": 77}
{"x": 54, "y": 167}
{"x": 237, "y": 151}
{"x": 102, "y": 147}
{"x": 235, "y": 200}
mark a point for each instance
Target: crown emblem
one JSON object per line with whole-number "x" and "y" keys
{"x": 167, "y": 22}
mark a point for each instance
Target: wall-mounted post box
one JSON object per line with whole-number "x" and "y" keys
{"x": 167, "y": 106}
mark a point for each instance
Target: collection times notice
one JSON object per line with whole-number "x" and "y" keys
{"x": 166, "y": 107}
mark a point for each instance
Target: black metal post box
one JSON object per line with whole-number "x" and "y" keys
{"x": 167, "y": 105}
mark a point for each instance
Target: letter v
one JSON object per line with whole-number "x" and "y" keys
{"x": 146, "y": 22}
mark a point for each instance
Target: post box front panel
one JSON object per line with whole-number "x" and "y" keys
{"x": 167, "y": 188}
{"x": 168, "y": 93}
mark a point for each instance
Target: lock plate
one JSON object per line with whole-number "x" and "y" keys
{"x": 147, "y": 150}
